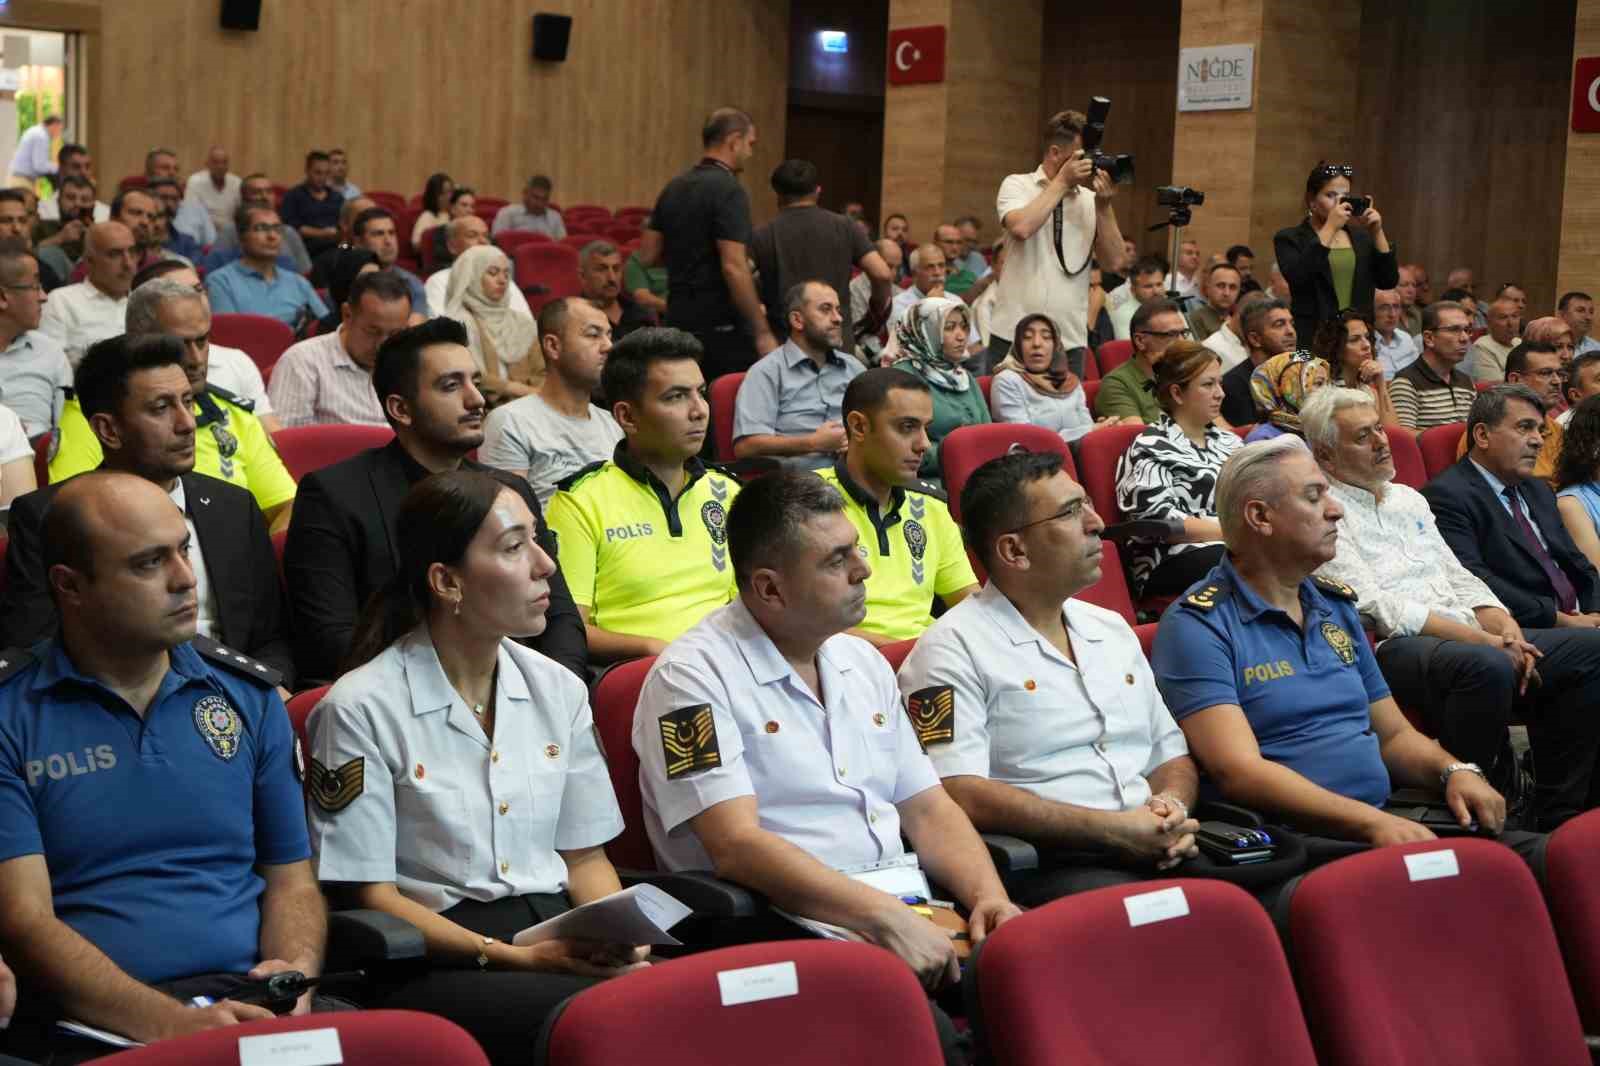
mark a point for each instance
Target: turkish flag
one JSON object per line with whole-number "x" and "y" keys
{"x": 916, "y": 55}
{"x": 1585, "y": 95}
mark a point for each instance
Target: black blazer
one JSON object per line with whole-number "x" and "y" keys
{"x": 240, "y": 564}
{"x": 1488, "y": 542}
{"x": 342, "y": 548}
{"x": 1304, "y": 262}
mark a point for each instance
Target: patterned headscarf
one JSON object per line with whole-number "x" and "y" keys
{"x": 920, "y": 336}
{"x": 1281, "y": 384}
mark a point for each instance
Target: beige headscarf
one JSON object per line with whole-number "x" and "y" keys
{"x": 499, "y": 335}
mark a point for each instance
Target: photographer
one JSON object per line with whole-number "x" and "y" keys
{"x": 1331, "y": 265}
{"x": 1056, "y": 219}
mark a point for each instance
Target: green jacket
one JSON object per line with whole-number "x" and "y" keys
{"x": 951, "y": 411}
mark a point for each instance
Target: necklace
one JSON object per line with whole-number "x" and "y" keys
{"x": 477, "y": 709}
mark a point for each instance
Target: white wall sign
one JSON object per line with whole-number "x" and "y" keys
{"x": 1217, "y": 78}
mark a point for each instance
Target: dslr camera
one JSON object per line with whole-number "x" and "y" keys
{"x": 1359, "y": 205}
{"x": 1179, "y": 196}
{"x": 1119, "y": 168}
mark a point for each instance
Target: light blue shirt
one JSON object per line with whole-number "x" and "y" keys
{"x": 419, "y": 293}
{"x": 517, "y": 217}
{"x": 1498, "y": 487}
{"x": 1588, "y": 344}
{"x": 241, "y": 289}
{"x": 1588, "y": 494}
{"x": 1395, "y": 356}
{"x": 786, "y": 394}
{"x": 33, "y": 160}
{"x": 194, "y": 220}
{"x": 349, "y": 190}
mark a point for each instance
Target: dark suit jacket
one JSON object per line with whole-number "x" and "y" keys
{"x": 1304, "y": 262}
{"x": 1488, "y": 542}
{"x": 343, "y": 547}
{"x": 240, "y": 564}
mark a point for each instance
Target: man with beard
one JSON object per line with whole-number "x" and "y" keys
{"x": 600, "y": 275}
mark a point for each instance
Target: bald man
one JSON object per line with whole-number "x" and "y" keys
{"x": 93, "y": 309}
{"x": 469, "y": 231}
{"x": 214, "y": 188}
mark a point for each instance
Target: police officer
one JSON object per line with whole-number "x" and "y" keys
{"x": 1266, "y": 670}
{"x": 773, "y": 749}
{"x": 907, "y": 535}
{"x": 455, "y": 779}
{"x": 152, "y": 833}
{"x": 642, "y": 535}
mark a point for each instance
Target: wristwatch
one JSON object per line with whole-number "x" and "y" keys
{"x": 1444, "y": 775}
{"x": 483, "y": 953}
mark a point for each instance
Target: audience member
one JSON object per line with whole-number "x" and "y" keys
{"x": 1469, "y": 304}
{"x": 214, "y": 188}
{"x": 1346, "y": 345}
{"x": 342, "y": 546}
{"x": 984, "y": 303}
{"x": 1582, "y": 382}
{"x": 1518, "y": 297}
{"x": 1410, "y": 308}
{"x": 1537, "y": 365}
{"x": 312, "y": 208}
{"x": 256, "y": 191}
{"x": 1577, "y": 309}
{"x": 864, "y": 323}
{"x": 1280, "y": 386}
{"x": 1184, "y": 278}
{"x": 1328, "y": 264}
{"x": 959, "y": 281}
{"x": 1242, "y": 259}
{"x": 784, "y": 819}
{"x": 1578, "y": 476}
{"x": 1461, "y": 278}
{"x": 15, "y": 225}
{"x": 436, "y": 194}
{"x": 1169, "y": 474}
{"x": 169, "y": 199}
{"x": 928, "y": 273}
{"x": 534, "y": 214}
{"x": 1433, "y": 390}
{"x": 700, "y": 227}
{"x": 35, "y": 376}
{"x": 969, "y": 227}
{"x": 1143, "y": 288}
{"x": 600, "y": 282}
{"x": 339, "y": 174}
{"x": 463, "y": 204}
{"x": 1035, "y": 383}
{"x": 374, "y": 229}
{"x": 648, "y": 285}
{"x": 1394, "y": 347}
{"x": 59, "y": 244}
{"x": 32, "y": 161}
{"x": 931, "y": 342}
{"x": 461, "y": 234}
{"x": 1277, "y": 284}
{"x": 191, "y": 217}
{"x": 137, "y": 209}
{"x": 1268, "y": 331}
{"x": 348, "y": 264}
{"x": 349, "y": 211}
{"x": 470, "y": 576}
{"x": 77, "y": 315}
{"x": 1057, "y": 219}
{"x": 1486, "y": 359}
{"x": 1228, "y": 340}
{"x": 1220, "y": 289}
{"x": 76, "y": 162}
{"x": 1419, "y": 275}
{"x": 503, "y": 340}
{"x": 789, "y": 404}
{"x": 255, "y": 283}
{"x": 1045, "y": 739}
{"x": 328, "y": 379}
{"x": 1125, "y": 393}
{"x": 557, "y": 431}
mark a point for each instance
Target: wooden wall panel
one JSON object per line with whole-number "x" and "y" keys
{"x": 412, "y": 86}
{"x": 1579, "y": 266}
{"x": 915, "y": 123}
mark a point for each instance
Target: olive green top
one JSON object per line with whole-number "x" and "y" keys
{"x": 1342, "y": 261}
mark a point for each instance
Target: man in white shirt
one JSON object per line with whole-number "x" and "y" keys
{"x": 327, "y": 379}
{"x": 75, "y": 161}
{"x": 32, "y": 160}
{"x": 34, "y": 373}
{"x": 1486, "y": 359}
{"x": 1186, "y": 273}
{"x": 928, "y": 270}
{"x": 78, "y": 315}
{"x": 469, "y": 231}
{"x": 534, "y": 214}
{"x": 1395, "y": 348}
{"x": 214, "y": 188}
{"x": 1056, "y": 220}
{"x": 861, "y": 295}
{"x": 1228, "y": 342}
{"x": 557, "y": 431}
{"x": 1448, "y": 647}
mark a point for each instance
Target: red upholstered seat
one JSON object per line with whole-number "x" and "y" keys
{"x": 1111, "y": 591}
{"x": 300, "y": 706}
{"x": 1098, "y": 453}
{"x": 391, "y": 202}
{"x": 41, "y": 458}
{"x": 1409, "y": 467}
{"x": 512, "y": 239}
{"x": 551, "y": 266}
{"x": 578, "y": 241}
{"x": 1438, "y": 446}
{"x": 1091, "y": 390}
{"x": 1062, "y": 984}
{"x": 1399, "y": 967}
{"x": 306, "y": 449}
{"x": 1091, "y": 365}
{"x": 724, "y": 396}
{"x": 262, "y": 337}
{"x": 1113, "y": 354}
{"x": 392, "y": 1037}
{"x": 1572, "y": 872}
{"x": 969, "y": 447}
{"x": 614, "y": 700}
{"x": 984, "y": 381}
{"x": 894, "y": 653}
{"x": 1147, "y": 637}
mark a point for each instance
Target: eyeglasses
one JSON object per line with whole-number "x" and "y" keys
{"x": 1167, "y": 334}
{"x": 1071, "y": 511}
{"x": 34, "y": 287}
{"x": 1336, "y": 170}
{"x": 1452, "y": 329}
{"x": 262, "y": 227}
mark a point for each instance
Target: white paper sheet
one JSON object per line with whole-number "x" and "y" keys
{"x": 638, "y": 915}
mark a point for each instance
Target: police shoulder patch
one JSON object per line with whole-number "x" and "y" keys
{"x": 334, "y": 790}
{"x": 566, "y": 484}
{"x": 12, "y": 661}
{"x": 1204, "y": 598}
{"x": 1336, "y": 589}
{"x": 933, "y": 714}
{"x": 237, "y": 662}
{"x": 689, "y": 741}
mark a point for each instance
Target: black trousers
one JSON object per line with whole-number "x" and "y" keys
{"x": 1467, "y": 695}
{"x": 730, "y": 349}
{"x": 1177, "y": 572}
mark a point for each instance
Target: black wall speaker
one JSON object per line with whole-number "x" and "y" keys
{"x": 550, "y": 36}
{"x": 241, "y": 14}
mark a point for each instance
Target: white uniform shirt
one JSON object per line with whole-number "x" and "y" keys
{"x": 231, "y": 369}
{"x": 205, "y": 594}
{"x": 1024, "y": 715}
{"x": 439, "y": 809}
{"x": 77, "y": 315}
{"x": 1033, "y": 279}
{"x": 826, "y": 776}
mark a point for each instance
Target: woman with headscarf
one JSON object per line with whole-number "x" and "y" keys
{"x": 348, "y": 264}
{"x": 1280, "y": 386}
{"x": 503, "y": 340}
{"x": 1034, "y": 383}
{"x": 932, "y": 339}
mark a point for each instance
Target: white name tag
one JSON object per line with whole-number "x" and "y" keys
{"x": 1428, "y": 865}
{"x": 304, "y": 1047}
{"x": 1159, "y": 906}
{"x": 754, "y": 983}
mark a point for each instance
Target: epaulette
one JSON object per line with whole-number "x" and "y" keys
{"x": 225, "y": 656}
{"x": 240, "y": 402}
{"x": 1206, "y": 597}
{"x": 718, "y": 468}
{"x": 13, "y": 661}
{"x": 566, "y": 483}
{"x": 1336, "y": 589}
{"x": 927, "y": 488}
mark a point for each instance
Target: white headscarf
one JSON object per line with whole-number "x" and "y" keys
{"x": 492, "y": 325}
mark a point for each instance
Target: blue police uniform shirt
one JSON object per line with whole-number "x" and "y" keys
{"x": 152, "y": 828}
{"x": 1307, "y": 693}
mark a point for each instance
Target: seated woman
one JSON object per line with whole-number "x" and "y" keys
{"x": 454, "y": 774}
{"x": 463, "y": 202}
{"x": 1035, "y": 384}
{"x": 503, "y": 339}
{"x": 1578, "y": 478}
{"x": 1345, "y": 343}
{"x": 932, "y": 339}
{"x": 1280, "y": 386}
{"x": 1169, "y": 473}
{"x": 435, "y": 206}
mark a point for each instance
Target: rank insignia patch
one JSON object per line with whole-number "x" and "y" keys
{"x": 218, "y": 723}
{"x": 334, "y": 790}
{"x": 689, "y": 741}
{"x": 933, "y": 714}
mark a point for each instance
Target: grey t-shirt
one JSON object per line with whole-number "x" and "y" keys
{"x": 528, "y": 435}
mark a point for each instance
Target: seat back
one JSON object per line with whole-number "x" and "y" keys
{"x": 1390, "y": 946}
{"x": 1147, "y": 637}
{"x": 41, "y": 458}
{"x": 724, "y": 398}
{"x": 1113, "y": 354}
{"x": 969, "y": 447}
{"x": 261, "y": 337}
{"x": 1572, "y": 869}
{"x": 306, "y": 449}
{"x": 404, "y": 223}
{"x": 1098, "y": 453}
{"x": 392, "y": 1037}
{"x": 300, "y": 706}
{"x": 1409, "y": 468}
{"x": 578, "y": 241}
{"x": 818, "y": 1017}
{"x": 1438, "y": 446}
{"x": 1111, "y": 591}
{"x": 894, "y": 654}
{"x": 510, "y": 240}
{"x": 1238, "y": 1006}
{"x": 1091, "y": 392}
{"x": 1091, "y": 365}
{"x": 984, "y": 381}
{"x": 391, "y": 202}
{"x": 614, "y": 698}
{"x": 550, "y": 265}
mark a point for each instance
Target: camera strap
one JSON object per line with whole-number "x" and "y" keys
{"x": 1057, "y": 220}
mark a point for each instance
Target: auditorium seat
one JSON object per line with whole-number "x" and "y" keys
{"x": 614, "y": 698}
{"x": 1485, "y": 386}
{"x": 621, "y": 233}
{"x": 984, "y": 382}
{"x": 391, "y": 202}
{"x": 492, "y": 204}
{"x": 427, "y": 256}
{"x": 1111, "y": 591}
{"x": 486, "y": 214}
{"x": 894, "y": 653}
{"x": 1409, "y": 469}
{"x": 783, "y": 1003}
{"x": 589, "y": 210}
{"x": 1438, "y": 446}
{"x": 261, "y": 337}
{"x": 1098, "y": 453}
{"x": 1243, "y": 432}
{"x": 307, "y": 449}
{"x": 724, "y": 395}
{"x": 1091, "y": 365}
{"x": 300, "y": 706}
{"x": 1147, "y": 636}
{"x": 549, "y": 268}
{"x": 404, "y": 223}
{"x": 136, "y": 181}
{"x": 1113, "y": 354}
{"x": 633, "y": 215}
{"x": 392, "y": 1037}
{"x": 1091, "y": 389}
{"x": 581, "y": 239}
{"x": 969, "y": 447}
{"x": 1173, "y": 971}
{"x": 1431, "y": 952}
{"x": 1572, "y": 871}
{"x": 512, "y": 239}
{"x": 41, "y": 458}
{"x": 280, "y": 540}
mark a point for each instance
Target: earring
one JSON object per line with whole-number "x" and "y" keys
{"x": 458, "y": 607}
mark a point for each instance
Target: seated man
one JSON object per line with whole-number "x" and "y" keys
{"x": 132, "y": 390}
{"x": 255, "y": 283}
{"x": 788, "y": 403}
{"x": 60, "y": 241}
{"x": 256, "y": 189}
{"x": 1228, "y": 340}
{"x": 643, "y": 539}
{"x": 534, "y": 214}
{"x": 907, "y": 534}
{"x": 1449, "y": 649}
{"x": 341, "y": 546}
{"x": 1537, "y": 365}
{"x": 1143, "y": 288}
{"x": 773, "y": 749}
{"x": 927, "y": 266}
{"x": 1502, "y": 523}
{"x": 1433, "y": 390}
{"x": 327, "y": 379}
{"x": 1267, "y": 329}
{"x": 312, "y": 208}
{"x": 1392, "y": 346}
{"x": 93, "y": 309}
{"x": 1221, "y": 290}
{"x": 322, "y": 270}
{"x": 1583, "y": 381}
{"x": 374, "y": 229}
{"x": 1276, "y": 690}
{"x": 34, "y": 374}
{"x": 600, "y": 278}
{"x": 169, "y": 198}
{"x": 16, "y": 224}
{"x": 1127, "y": 393}
{"x": 229, "y": 443}
{"x": 154, "y": 844}
{"x": 1486, "y": 359}
{"x": 863, "y": 312}
{"x": 468, "y": 231}
{"x": 1056, "y": 732}
{"x": 557, "y": 431}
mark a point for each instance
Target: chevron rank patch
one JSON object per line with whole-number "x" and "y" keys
{"x": 689, "y": 741}
{"x": 933, "y": 714}
{"x": 334, "y": 790}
